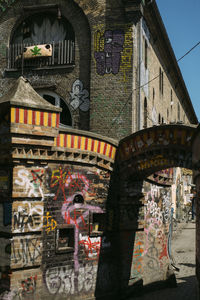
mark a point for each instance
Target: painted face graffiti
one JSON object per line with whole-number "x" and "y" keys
{"x": 108, "y": 59}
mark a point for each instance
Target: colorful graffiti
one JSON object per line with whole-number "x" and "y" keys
{"x": 91, "y": 245}
{"x": 49, "y": 223}
{"x": 113, "y": 50}
{"x": 29, "y": 285}
{"x": 31, "y": 181}
{"x": 137, "y": 259}
{"x": 76, "y": 192}
{"x": 153, "y": 137}
{"x": 79, "y": 97}
{"x": 108, "y": 48}
{"x": 157, "y": 216}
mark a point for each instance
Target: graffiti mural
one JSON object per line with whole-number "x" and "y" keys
{"x": 137, "y": 259}
{"x": 79, "y": 194}
{"x": 27, "y": 216}
{"x": 157, "y": 212}
{"x": 65, "y": 280}
{"x": 108, "y": 49}
{"x": 29, "y": 183}
{"x": 26, "y": 251}
{"x": 79, "y": 97}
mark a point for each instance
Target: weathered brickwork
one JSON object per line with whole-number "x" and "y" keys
{"x": 71, "y": 227}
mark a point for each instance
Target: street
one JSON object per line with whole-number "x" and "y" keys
{"x": 183, "y": 251}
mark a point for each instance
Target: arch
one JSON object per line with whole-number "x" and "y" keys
{"x": 55, "y": 99}
{"x": 43, "y": 28}
{"x": 156, "y": 148}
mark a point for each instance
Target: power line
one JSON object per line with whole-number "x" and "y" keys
{"x": 148, "y": 83}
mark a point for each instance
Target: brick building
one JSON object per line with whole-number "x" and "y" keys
{"x": 104, "y": 69}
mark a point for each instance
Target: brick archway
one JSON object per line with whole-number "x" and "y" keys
{"x": 139, "y": 222}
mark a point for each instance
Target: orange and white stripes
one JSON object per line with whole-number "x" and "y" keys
{"x": 34, "y": 117}
{"x": 85, "y": 143}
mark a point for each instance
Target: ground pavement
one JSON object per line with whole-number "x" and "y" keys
{"x": 183, "y": 250}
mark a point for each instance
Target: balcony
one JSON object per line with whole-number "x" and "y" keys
{"x": 41, "y": 56}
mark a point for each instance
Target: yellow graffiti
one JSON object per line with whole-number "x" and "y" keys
{"x": 127, "y": 54}
{"x": 158, "y": 160}
{"x": 51, "y": 224}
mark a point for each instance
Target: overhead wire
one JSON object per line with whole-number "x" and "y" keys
{"x": 141, "y": 86}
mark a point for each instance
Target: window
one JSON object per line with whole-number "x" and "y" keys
{"x": 145, "y": 54}
{"x": 178, "y": 112}
{"x": 44, "y": 40}
{"x": 97, "y": 223}
{"x": 161, "y": 81}
{"x": 64, "y": 238}
{"x": 145, "y": 112}
{"x": 55, "y": 99}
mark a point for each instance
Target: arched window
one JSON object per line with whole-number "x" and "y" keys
{"x": 42, "y": 39}
{"x": 43, "y": 28}
{"x": 55, "y": 99}
{"x": 145, "y": 112}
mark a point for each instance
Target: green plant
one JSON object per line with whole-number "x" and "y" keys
{"x": 36, "y": 51}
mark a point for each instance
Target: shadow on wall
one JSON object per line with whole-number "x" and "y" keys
{"x": 135, "y": 247}
{"x": 120, "y": 259}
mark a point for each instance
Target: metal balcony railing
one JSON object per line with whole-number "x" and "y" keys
{"x": 62, "y": 54}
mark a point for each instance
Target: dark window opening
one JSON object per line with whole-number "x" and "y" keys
{"x": 50, "y": 99}
{"x": 54, "y": 99}
{"x": 145, "y": 112}
{"x": 64, "y": 239}
{"x": 145, "y": 54}
{"x": 161, "y": 81}
{"x": 97, "y": 223}
{"x": 178, "y": 112}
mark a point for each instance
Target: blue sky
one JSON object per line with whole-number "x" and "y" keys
{"x": 182, "y": 22}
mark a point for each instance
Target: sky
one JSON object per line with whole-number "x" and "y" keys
{"x": 182, "y": 22}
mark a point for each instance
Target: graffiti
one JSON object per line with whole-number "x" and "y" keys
{"x": 157, "y": 137}
{"x": 27, "y": 216}
{"x": 136, "y": 266}
{"x": 91, "y": 245}
{"x": 63, "y": 179}
{"x": 108, "y": 48}
{"x": 165, "y": 194}
{"x": 29, "y": 285}
{"x": 51, "y": 224}
{"x": 127, "y": 54}
{"x": 26, "y": 251}
{"x": 157, "y": 160}
{"x": 79, "y": 97}
{"x": 65, "y": 280}
{"x": 31, "y": 182}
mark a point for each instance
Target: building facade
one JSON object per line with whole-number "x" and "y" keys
{"x": 93, "y": 72}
